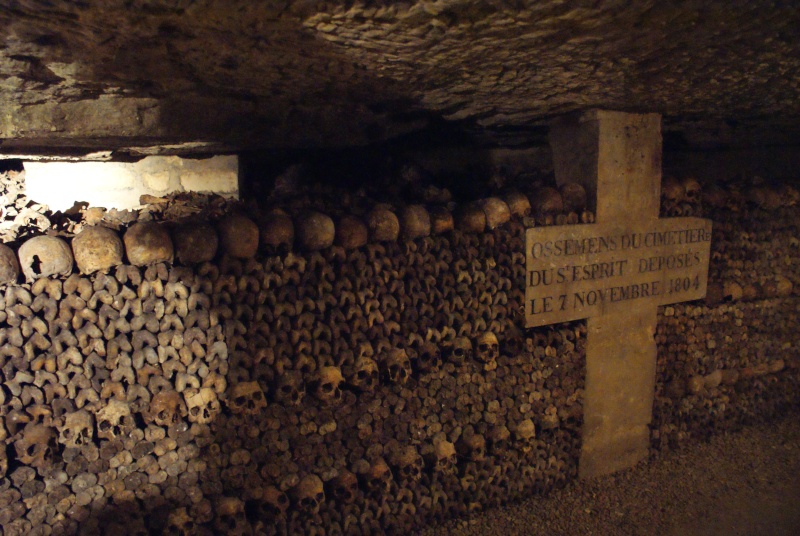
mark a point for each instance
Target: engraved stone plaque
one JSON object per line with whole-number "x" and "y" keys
{"x": 581, "y": 271}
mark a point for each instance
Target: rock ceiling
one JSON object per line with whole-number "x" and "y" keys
{"x": 238, "y": 74}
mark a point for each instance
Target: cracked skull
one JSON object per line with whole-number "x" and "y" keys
{"x": 246, "y": 398}
{"x": 378, "y": 479}
{"x": 202, "y": 405}
{"x": 363, "y": 375}
{"x": 344, "y": 487}
{"x": 445, "y": 458}
{"x": 43, "y": 256}
{"x": 308, "y": 494}
{"x": 77, "y": 430}
{"x": 115, "y": 420}
{"x": 230, "y": 518}
{"x": 429, "y": 358}
{"x": 460, "y": 351}
{"x": 274, "y": 502}
{"x": 166, "y": 408}
{"x": 290, "y": 388}
{"x": 396, "y": 366}
{"x": 329, "y": 385}
{"x": 36, "y": 446}
{"x": 525, "y": 435}
{"x": 407, "y": 463}
{"x": 488, "y": 348}
{"x": 472, "y": 447}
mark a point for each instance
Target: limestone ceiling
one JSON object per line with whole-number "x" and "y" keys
{"x": 238, "y": 74}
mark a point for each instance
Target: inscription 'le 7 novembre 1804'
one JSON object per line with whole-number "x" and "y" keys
{"x": 580, "y": 271}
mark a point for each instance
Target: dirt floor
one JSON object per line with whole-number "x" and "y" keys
{"x": 743, "y": 483}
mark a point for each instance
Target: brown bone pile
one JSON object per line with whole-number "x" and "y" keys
{"x": 350, "y": 376}
{"x": 731, "y": 359}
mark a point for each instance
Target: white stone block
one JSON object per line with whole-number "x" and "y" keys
{"x": 219, "y": 175}
{"x": 158, "y": 181}
{"x": 119, "y": 185}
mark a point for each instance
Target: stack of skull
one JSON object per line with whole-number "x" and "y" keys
{"x": 731, "y": 359}
{"x": 364, "y": 386}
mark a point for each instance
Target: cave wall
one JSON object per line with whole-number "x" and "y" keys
{"x": 162, "y": 359}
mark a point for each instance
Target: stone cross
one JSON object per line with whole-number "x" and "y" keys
{"x": 615, "y": 273}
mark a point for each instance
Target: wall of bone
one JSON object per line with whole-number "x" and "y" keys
{"x": 349, "y": 386}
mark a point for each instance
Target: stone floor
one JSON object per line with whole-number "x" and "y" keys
{"x": 743, "y": 483}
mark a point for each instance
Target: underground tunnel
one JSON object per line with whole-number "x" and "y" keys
{"x": 387, "y": 267}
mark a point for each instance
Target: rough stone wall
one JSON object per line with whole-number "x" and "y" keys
{"x": 237, "y": 74}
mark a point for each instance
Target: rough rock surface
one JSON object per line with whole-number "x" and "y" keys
{"x": 218, "y": 73}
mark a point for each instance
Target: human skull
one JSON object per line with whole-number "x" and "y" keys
{"x": 378, "y": 478}
{"x": 276, "y": 232}
{"x": 290, "y": 388}
{"x": 525, "y": 435}
{"x": 329, "y": 385}
{"x": 472, "y": 447}
{"x": 195, "y": 242}
{"x": 308, "y": 494}
{"x": 36, "y": 446}
{"x": 470, "y": 218}
{"x": 9, "y": 265}
{"x": 429, "y": 357}
{"x": 518, "y": 204}
{"x": 351, "y": 232}
{"x": 166, "y": 408}
{"x": 396, "y": 367}
{"x": 202, "y": 404}
{"x": 382, "y": 224}
{"x": 230, "y": 518}
{"x": 344, "y": 487}
{"x": 499, "y": 437}
{"x": 238, "y": 236}
{"x": 97, "y": 249}
{"x": 115, "y": 420}
{"x": 415, "y": 222}
{"x": 573, "y": 195}
{"x": 672, "y": 192}
{"x": 460, "y": 351}
{"x": 44, "y": 256}
{"x": 407, "y": 463}
{"x": 274, "y": 502}
{"x": 315, "y": 231}
{"x": 363, "y": 375}
{"x": 180, "y": 523}
{"x": 488, "y": 349}
{"x": 147, "y": 243}
{"x": 547, "y": 201}
{"x": 246, "y": 398}
{"x": 445, "y": 459}
{"x": 692, "y": 190}
{"x": 77, "y": 430}
{"x": 496, "y": 211}
{"x": 441, "y": 220}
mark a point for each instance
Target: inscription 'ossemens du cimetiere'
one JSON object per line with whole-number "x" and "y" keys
{"x": 579, "y": 271}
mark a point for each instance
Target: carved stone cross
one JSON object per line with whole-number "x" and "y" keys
{"x": 615, "y": 273}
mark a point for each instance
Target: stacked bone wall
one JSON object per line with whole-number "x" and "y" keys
{"x": 90, "y": 364}
{"x": 732, "y": 359}
{"x": 189, "y": 399}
